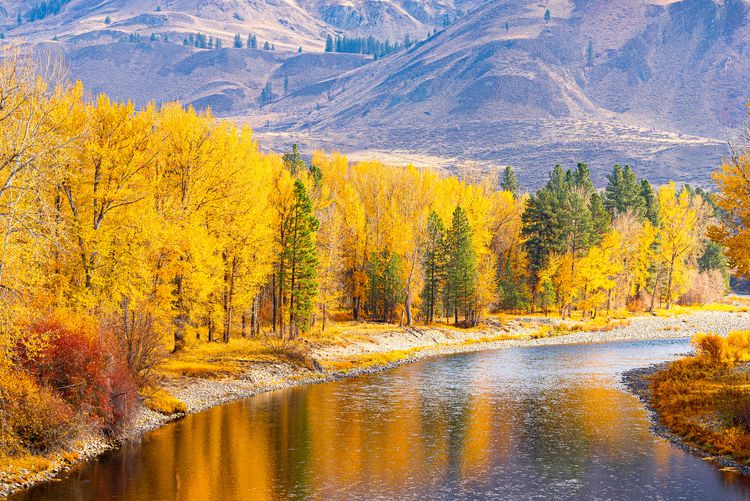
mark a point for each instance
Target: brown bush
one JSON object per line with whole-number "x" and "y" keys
{"x": 734, "y": 407}
{"x": 707, "y": 287}
{"x": 32, "y": 417}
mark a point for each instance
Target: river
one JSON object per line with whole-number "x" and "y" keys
{"x": 549, "y": 422}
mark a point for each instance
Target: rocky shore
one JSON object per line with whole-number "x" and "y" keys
{"x": 200, "y": 394}
{"x": 637, "y": 382}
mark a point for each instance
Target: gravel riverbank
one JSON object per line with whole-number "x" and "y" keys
{"x": 200, "y": 394}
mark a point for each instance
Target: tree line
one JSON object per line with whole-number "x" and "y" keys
{"x": 169, "y": 215}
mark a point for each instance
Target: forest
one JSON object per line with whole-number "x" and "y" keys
{"x": 129, "y": 233}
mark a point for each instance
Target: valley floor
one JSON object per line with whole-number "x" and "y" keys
{"x": 210, "y": 375}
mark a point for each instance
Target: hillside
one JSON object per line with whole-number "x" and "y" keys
{"x": 659, "y": 84}
{"x": 663, "y": 86}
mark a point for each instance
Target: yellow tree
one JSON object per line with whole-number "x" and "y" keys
{"x": 733, "y": 182}
{"x": 106, "y": 189}
{"x": 239, "y": 221}
{"x": 597, "y": 271}
{"x": 680, "y": 238}
{"x": 188, "y": 183}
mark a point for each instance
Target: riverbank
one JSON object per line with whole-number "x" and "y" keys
{"x": 370, "y": 352}
{"x": 638, "y": 382}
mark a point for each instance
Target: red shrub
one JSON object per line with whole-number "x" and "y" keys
{"x": 95, "y": 382}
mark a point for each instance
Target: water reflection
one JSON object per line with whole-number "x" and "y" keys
{"x": 520, "y": 423}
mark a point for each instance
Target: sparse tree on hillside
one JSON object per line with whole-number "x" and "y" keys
{"x": 547, "y": 16}
{"x": 590, "y": 54}
{"x": 329, "y": 43}
{"x": 266, "y": 45}
{"x": 252, "y": 42}
{"x": 237, "y": 41}
{"x": 107, "y": 20}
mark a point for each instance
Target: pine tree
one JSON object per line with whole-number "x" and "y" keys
{"x": 507, "y": 26}
{"x": 623, "y": 193}
{"x": 547, "y": 16}
{"x": 461, "y": 274}
{"x": 600, "y": 218}
{"x": 301, "y": 258}
{"x": 252, "y": 42}
{"x": 386, "y": 285}
{"x": 299, "y": 50}
{"x": 153, "y": 37}
{"x": 266, "y": 45}
{"x": 329, "y": 43}
{"x": 590, "y": 54}
{"x": 650, "y": 204}
{"x": 237, "y": 41}
{"x": 107, "y": 20}
{"x": 509, "y": 181}
{"x": 433, "y": 262}
{"x": 293, "y": 161}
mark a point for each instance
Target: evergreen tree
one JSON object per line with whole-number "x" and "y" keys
{"x": 507, "y": 26}
{"x": 252, "y": 42}
{"x": 514, "y": 293}
{"x": 107, "y": 20}
{"x": 293, "y": 161}
{"x": 301, "y": 258}
{"x": 266, "y": 95}
{"x": 153, "y": 37}
{"x": 386, "y": 285}
{"x": 590, "y": 54}
{"x": 650, "y": 204}
{"x": 329, "y": 43}
{"x": 623, "y": 193}
{"x": 266, "y": 45}
{"x": 547, "y": 16}
{"x": 217, "y": 43}
{"x": 434, "y": 262}
{"x": 600, "y": 218}
{"x": 509, "y": 181}
{"x": 461, "y": 287}
{"x": 299, "y": 50}
{"x": 237, "y": 41}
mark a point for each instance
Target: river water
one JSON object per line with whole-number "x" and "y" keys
{"x": 550, "y": 422}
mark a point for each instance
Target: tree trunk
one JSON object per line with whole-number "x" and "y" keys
{"x": 357, "y": 302}
{"x": 274, "y": 306}
{"x": 407, "y": 307}
{"x": 325, "y": 315}
{"x": 180, "y": 319}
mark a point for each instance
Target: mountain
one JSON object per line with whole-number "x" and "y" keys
{"x": 659, "y": 84}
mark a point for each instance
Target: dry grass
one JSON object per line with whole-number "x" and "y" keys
{"x": 705, "y": 398}
{"x": 369, "y": 360}
{"x": 21, "y": 469}
{"x": 160, "y": 400}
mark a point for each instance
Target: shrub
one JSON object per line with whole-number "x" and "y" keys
{"x": 32, "y": 417}
{"x": 734, "y": 407}
{"x": 707, "y": 287}
{"x": 95, "y": 382}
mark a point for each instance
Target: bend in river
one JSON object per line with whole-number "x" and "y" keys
{"x": 520, "y": 423}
